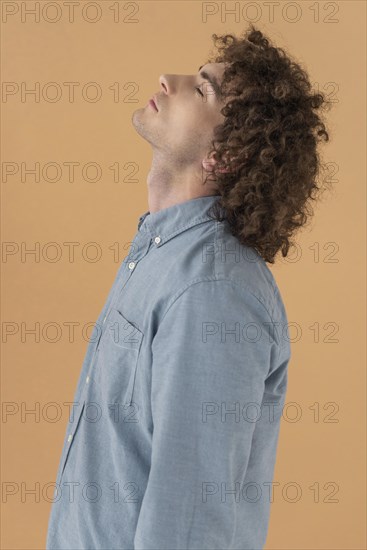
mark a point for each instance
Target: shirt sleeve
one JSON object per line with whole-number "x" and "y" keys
{"x": 211, "y": 355}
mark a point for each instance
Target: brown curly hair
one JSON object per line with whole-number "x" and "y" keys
{"x": 266, "y": 149}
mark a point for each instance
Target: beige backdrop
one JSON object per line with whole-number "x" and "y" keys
{"x": 320, "y": 497}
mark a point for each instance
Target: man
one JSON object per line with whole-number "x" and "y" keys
{"x": 173, "y": 440}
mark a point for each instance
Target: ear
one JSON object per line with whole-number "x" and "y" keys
{"x": 208, "y": 165}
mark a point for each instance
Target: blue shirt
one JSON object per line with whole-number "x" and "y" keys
{"x": 173, "y": 437}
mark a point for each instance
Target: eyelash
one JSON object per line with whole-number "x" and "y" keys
{"x": 201, "y": 93}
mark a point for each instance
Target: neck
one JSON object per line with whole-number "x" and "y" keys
{"x": 170, "y": 184}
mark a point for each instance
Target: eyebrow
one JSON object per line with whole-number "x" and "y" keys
{"x": 213, "y": 81}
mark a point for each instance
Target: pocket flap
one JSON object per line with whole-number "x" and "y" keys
{"x": 123, "y": 333}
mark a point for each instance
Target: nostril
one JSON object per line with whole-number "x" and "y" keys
{"x": 163, "y": 83}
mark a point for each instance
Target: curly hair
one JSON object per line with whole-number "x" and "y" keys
{"x": 266, "y": 155}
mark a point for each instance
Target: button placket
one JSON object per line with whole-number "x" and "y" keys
{"x": 143, "y": 244}
{"x": 131, "y": 265}
{"x": 70, "y": 439}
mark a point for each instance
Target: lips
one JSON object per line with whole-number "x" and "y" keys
{"x": 153, "y": 102}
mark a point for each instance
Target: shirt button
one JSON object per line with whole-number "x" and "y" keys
{"x": 131, "y": 265}
{"x": 157, "y": 240}
{"x": 87, "y": 380}
{"x": 104, "y": 320}
{"x": 69, "y": 438}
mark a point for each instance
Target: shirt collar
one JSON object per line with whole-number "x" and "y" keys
{"x": 166, "y": 223}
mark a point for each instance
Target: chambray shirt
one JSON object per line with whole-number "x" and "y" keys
{"x": 173, "y": 435}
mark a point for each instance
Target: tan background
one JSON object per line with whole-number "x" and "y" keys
{"x": 322, "y": 452}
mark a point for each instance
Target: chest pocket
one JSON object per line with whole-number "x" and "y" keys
{"x": 118, "y": 355}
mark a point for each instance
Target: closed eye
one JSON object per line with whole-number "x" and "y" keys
{"x": 200, "y": 92}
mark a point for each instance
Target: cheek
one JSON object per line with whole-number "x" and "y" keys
{"x": 183, "y": 126}
{"x": 194, "y": 121}
{"x": 192, "y": 124}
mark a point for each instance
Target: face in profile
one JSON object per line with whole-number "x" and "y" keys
{"x": 180, "y": 121}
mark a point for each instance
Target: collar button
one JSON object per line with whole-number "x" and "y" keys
{"x": 157, "y": 240}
